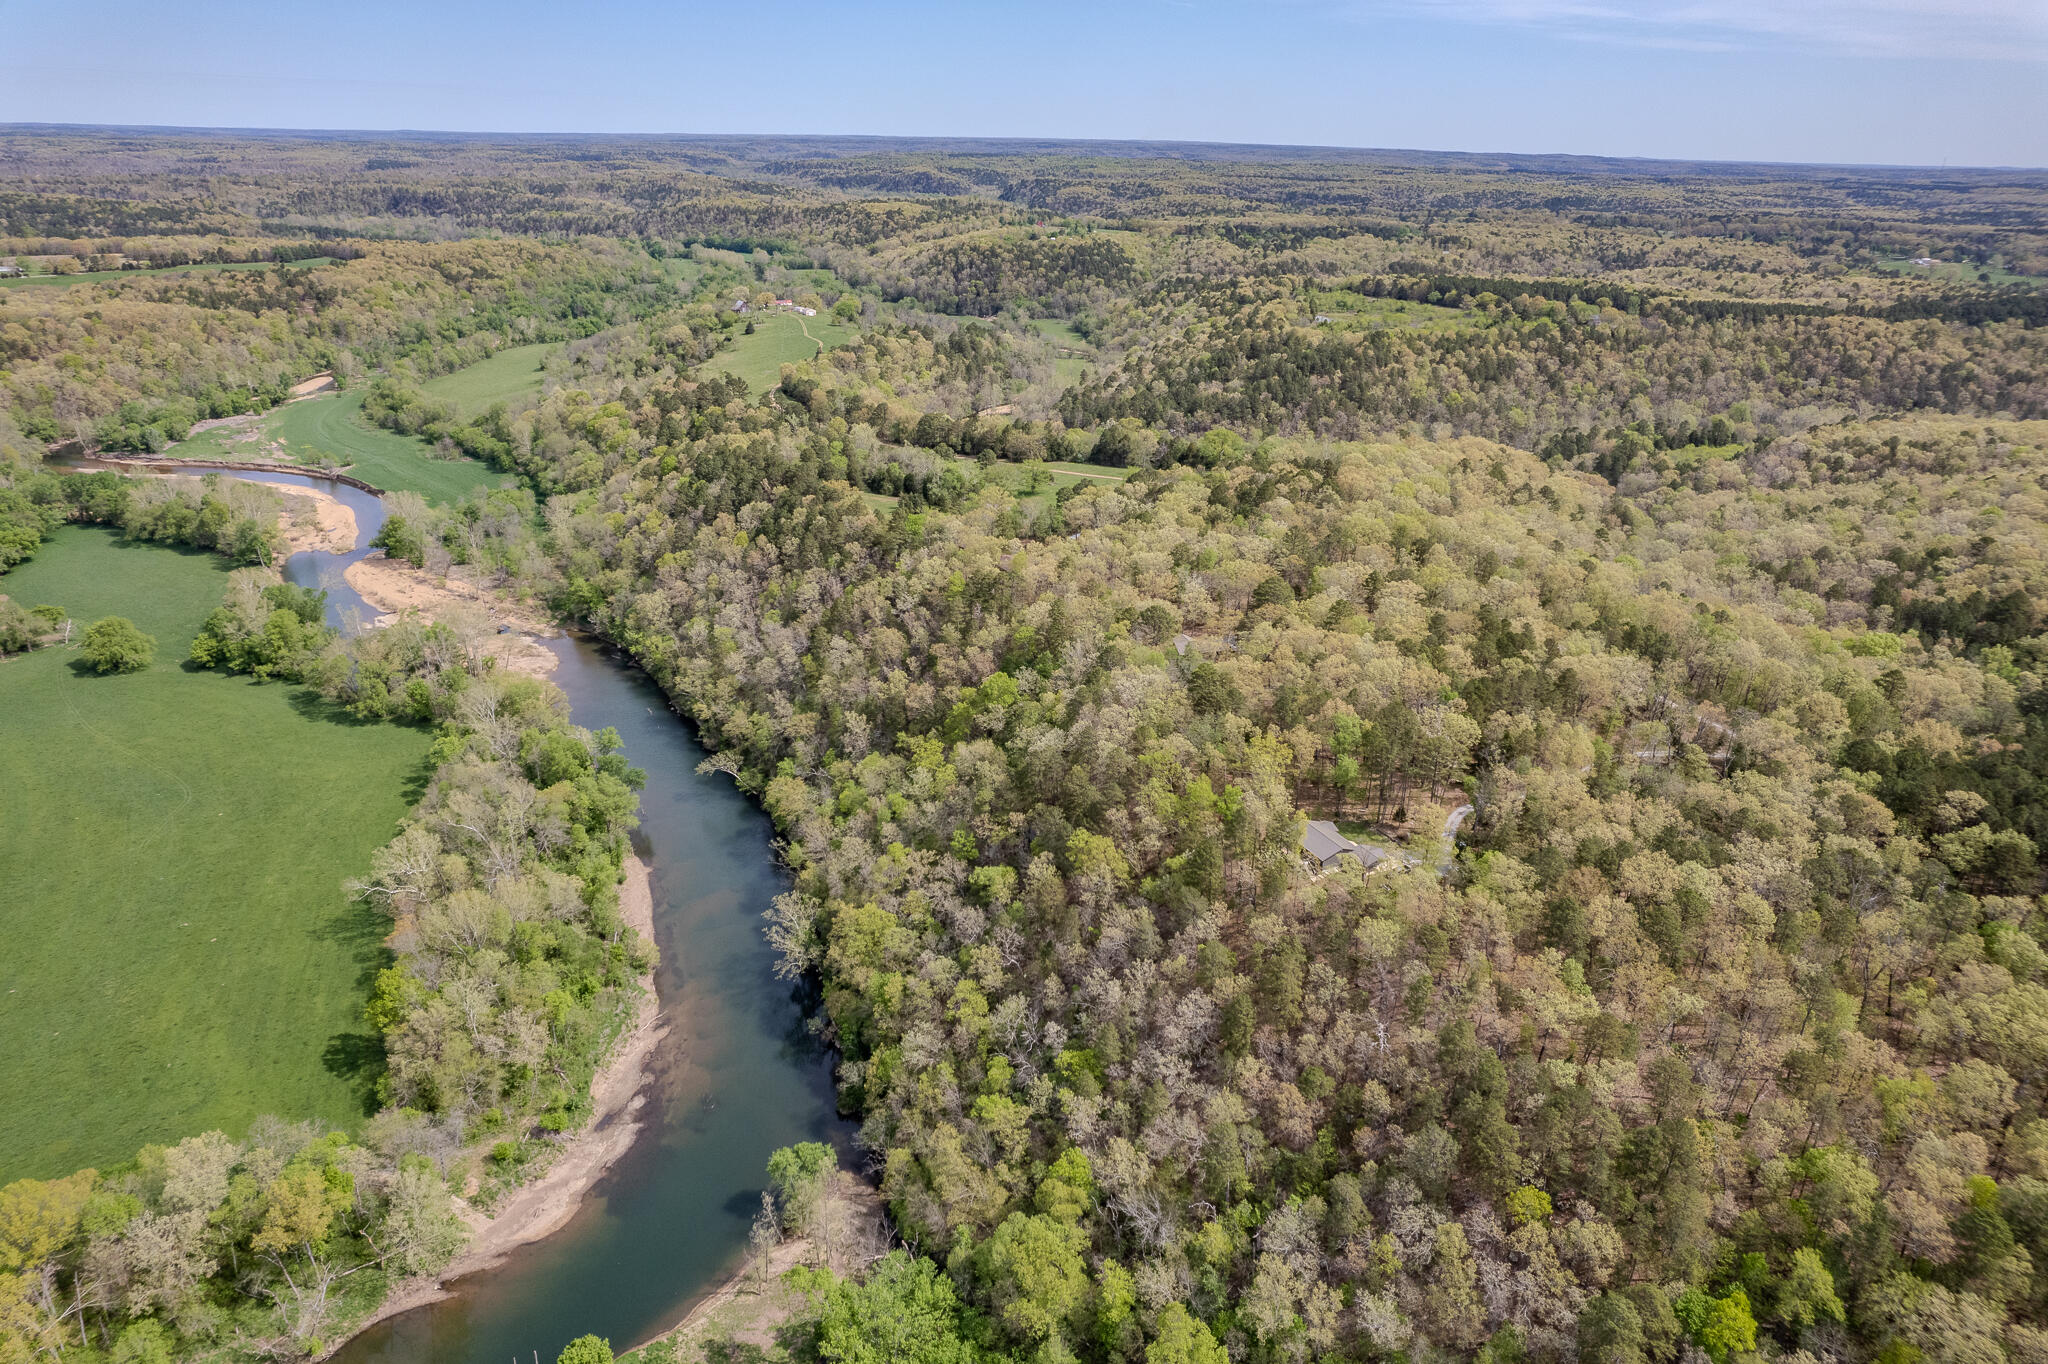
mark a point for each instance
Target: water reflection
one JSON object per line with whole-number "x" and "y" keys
{"x": 738, "y": 1074}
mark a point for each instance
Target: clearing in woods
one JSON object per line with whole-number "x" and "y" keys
{"x": 96, "y": 276}
{"x": 330, "y": 430}
{"x": 1033, "y": 484}
{"x": 780, "y": 338}
{"x": 504, "y": 378}
{"x": 1071, "y": 352}
{"x": 1036, "y": 484}
{"x": 180, "y": 953}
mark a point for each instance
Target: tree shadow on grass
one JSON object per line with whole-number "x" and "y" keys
{"x": 357, "y": 1059}
{"x": 313, "y": 706}
{"x": 309, "y": 703}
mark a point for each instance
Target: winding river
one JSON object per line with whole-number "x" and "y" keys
{"x": 737, "y": 1075}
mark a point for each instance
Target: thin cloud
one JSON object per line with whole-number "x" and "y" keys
{"x": 1995, "y": 30}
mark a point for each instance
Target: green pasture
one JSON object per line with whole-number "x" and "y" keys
{"x": 1959, "y": 272}
{"x": 1358, "y": 312}
{"x": 506, "y": 377}
{"x": 89, "y": 276}
{"x": 779, "y": 339}
{"x": 1060, "y": 332}
{"x": 330, "y": 430}
{"x": 180, "y": 953}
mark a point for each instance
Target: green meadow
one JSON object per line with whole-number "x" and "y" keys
{"x": 180, "y": 953}
{"x": 1348, "y": 311}
{"x": 506, "y": 377}
{"x": 330, "y": 430}
{"x": 1034, "y": 485}
{"x": 779, "y": 339}
{"x": 1969, "y": 273}
{"x": 1071, "y": 352}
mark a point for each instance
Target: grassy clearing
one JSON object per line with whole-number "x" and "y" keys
{"x": 1959, "y": 272}
{"x": 329, "y": 430}
{"x": 816, "y": 280}
{"x": 1060, "y": 332}
{"x": 1074, "y": 471}
{"x": 181, "y": 956}
{"x": 1071, "y": 352}
{"x": 1035, "y": 485}
{"x": 504, "y": 378}
{"x": 1357, "y": 312}
{"x": 779, "y": 339}
{"x": 90, "y": 276}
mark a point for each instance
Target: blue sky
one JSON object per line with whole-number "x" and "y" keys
{"x": 1890, "y": 81}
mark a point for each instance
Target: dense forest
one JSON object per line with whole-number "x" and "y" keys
{"x": 1657, "y": 515}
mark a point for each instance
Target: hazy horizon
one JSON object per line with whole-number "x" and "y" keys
{"x": 1839, "y": 82}
{"x": 993, "y": 140}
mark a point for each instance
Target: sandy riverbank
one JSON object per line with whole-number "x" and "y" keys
{"x": 316, "y": 520}
{"x": 546, "y": 1205}
{"x": 753, "y": 1303}
{"x": 395, "y": 587}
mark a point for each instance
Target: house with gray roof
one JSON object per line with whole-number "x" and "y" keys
{"x": 1325, "y": 847}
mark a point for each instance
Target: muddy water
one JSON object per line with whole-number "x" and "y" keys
{"x": 737, "y": 1075}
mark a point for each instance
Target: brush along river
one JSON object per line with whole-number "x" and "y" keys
{"x": 736, "y": 1075}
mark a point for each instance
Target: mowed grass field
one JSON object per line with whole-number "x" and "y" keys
{"x": 332, "y": 429}
{"x": 180, "y": 955}
{"x": 1355, "y": 312}
{"x": 1064, "y": 473}
{"x": 505, "y": 377}
{"x": 778, "y": 340}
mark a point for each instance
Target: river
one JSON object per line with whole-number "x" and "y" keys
{"x": 737, "y": 1075}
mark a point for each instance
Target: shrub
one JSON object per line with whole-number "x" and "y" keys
{"x": 115, "y": 645}
{"x": 586, "y": 1350}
